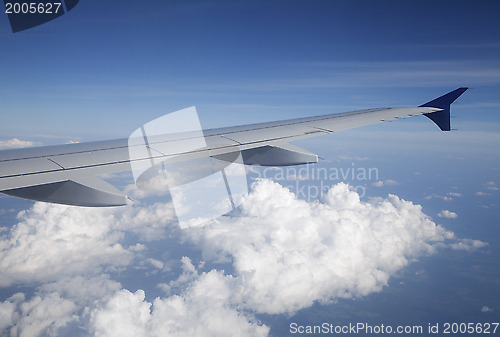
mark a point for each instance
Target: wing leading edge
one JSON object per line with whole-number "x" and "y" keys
{"x": 66, "y": 174}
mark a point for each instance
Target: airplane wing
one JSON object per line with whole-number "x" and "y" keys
{"x": 67, "y": 174}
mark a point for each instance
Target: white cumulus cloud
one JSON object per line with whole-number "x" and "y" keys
{"x": 51, "y": 241}
{"x": 289, "y": 253}
{"x": 447, "y": 214}
{"x": 42, "y": 315}
{"x": 285, "y": 254}
{"x": 468, "y": 244}
{"x": 204, "y": 308}
{"x": 15, "y": 143}
{"x": 69, "y": 254}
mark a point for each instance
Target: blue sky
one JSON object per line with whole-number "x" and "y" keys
{"x": 106, "y": 68}
{"x": 240, "y": 62}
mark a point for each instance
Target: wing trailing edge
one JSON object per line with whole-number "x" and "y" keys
{"x": 88, "y": 191}
{"x": 282, "y": 155}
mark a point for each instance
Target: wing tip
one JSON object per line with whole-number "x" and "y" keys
{"x": 442, "y": 118}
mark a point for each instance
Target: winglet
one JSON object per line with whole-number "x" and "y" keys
{"x": 442, "y": 118}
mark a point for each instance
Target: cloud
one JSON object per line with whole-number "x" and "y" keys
{"x": 480, "y": 194}
{"x": 468, "y": 245}
{"x": 156, "y": 263}
{"x": 82, "y": 289}
{"x": 487, "y": 309}
{"x": 149, "y": 222}
{"x": 491, "y": 186}
{"x": 125, "y": 314}
{"x": 54, "y": 306}
{"x": 69, "y": 254}
{"x": 205, "y": 308}
{"x": 454, "y": 194}
{"x": 42, "y": 314}
{"x": 445, "y": 198}
{"x": 289, "y": 253}
{"x": 388, "y": 182}
{"x": 447, "y": 214}
{"x": 7, "y": 311}
{"x": 282, "y": 254}
{"x": 51, "y": 241}
{"x": 15, "y": 143}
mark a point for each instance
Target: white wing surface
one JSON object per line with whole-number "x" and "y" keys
{"x": 66, "y": 174}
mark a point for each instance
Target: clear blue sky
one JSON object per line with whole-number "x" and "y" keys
{"x": 107, "y": 67}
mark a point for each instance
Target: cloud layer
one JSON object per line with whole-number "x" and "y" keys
{"x": 289, "y": 253}
{"x": 281, "y": 254}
